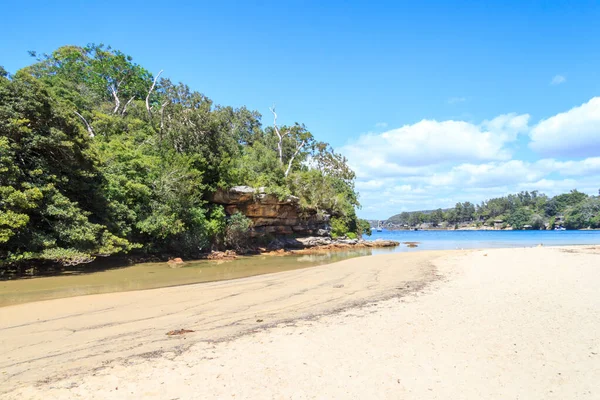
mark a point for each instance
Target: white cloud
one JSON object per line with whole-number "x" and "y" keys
{"x": 433, "y": 164}
{"x": 381, "y": 125}
{"x": 476, "y": 182}
{"x": 373, "y": 184}
{"x": 585, "y": 167}
{"x": 509, "y": 125}
{"x": 558, "y": 79}
{"x": 486, "y": 175}
{"x": 454, "y": 100}
{"x": 413, "y": 149}
{"x": 513, "y": 172}
{"x": 572, "y": 133}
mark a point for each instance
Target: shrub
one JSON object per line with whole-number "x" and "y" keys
{"x": 338, "y": 227}
{"x": 364, "y": 227}
{"x": 236, "y": 233}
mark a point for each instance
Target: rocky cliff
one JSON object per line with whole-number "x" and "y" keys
{"x": 271, "y": 215}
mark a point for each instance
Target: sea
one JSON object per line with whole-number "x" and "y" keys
{"x": 449, "y": 240}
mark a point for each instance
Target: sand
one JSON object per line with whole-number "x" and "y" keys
{"x": 504, "y": 323}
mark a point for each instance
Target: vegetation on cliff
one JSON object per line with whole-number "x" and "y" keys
{"x": 531, "y": 210}
{"x": 99, "y": 156}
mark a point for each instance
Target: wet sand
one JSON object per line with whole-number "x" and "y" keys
{"x": 51, "y": 339}
{"x": 503, "y": 323}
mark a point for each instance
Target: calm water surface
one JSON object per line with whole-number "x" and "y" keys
{"x": 447, "y": 240}
{"x": 154, "y": 275}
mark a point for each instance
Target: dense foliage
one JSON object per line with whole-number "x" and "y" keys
{"x": 98, "y": 156}
{"x": 525, "y": 210}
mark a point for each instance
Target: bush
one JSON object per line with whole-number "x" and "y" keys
{"x": 364, "y": 227}
{"x": 339, "y": 227}
{"x": 519, "y": 218}
{"x": 236, "y": 233}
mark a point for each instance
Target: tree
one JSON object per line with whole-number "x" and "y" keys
{"x": 437, "y": 217}
{"x": 99, "y": 156}
{"x": 519, "y": 218}
{"x": 290, "y": 142}
{"x": 51, "y": 205}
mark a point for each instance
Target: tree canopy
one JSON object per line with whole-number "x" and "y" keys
{"x": 98, "y": 156}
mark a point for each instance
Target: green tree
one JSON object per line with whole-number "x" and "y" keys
{"x": 519, "y": 218}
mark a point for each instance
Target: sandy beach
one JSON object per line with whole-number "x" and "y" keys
{"x": 504, "y": 323}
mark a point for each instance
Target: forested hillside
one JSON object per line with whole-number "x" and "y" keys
{"x": 100, "y": 156}
{"x": 573, "y": 210}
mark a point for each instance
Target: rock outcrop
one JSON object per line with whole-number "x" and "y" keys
{"x": 271, "y": 215}
{"x": 313, "y": 243}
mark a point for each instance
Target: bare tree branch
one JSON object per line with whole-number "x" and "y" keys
{"x": 117, "y": 101}
{"x": 289, "y": 167}
{"x": 150, "y": 92}
{"x": 126, "y": 104}
{"x": 88, "y": 126}
{"x": 280, "y": 142}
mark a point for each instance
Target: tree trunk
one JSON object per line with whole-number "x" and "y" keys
{"x": 149, "y": 93}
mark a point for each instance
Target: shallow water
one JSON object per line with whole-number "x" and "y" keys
{"x": 155, "y": 275}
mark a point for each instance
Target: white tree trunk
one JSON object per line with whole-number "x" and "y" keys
{"x": 150, "y": 92}
{"x": 280, "y": 142}
{"x": 88, "y": 126}
{"x": 117, "y": 101}
{"x": 289, "y": 167}
{"x": 126, "y": 104}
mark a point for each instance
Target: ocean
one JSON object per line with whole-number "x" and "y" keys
{"x": 448, "y": 240}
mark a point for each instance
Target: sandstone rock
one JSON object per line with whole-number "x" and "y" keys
{"x": 323, "y": 232}
{"x": 235, "y": 195}
{"x": 175, "y": 262}
{"x": 222, "y": 255}
{"x": 379, "y": 243}
{"x": 313, "y": 241}
{"x": 277, "y": 221}
{"x": 271, "y": 215}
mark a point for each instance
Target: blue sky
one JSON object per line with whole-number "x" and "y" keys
{"x": 433, "y": 102}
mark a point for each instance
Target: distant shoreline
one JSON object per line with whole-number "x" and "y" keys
{"x": 485, "y": 229}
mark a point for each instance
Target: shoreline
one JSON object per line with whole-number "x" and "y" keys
{"x": 387, "y": 316}
{"x": 105, "y": 328}
{"x": 446, "y": 324}
{"x": 66, "y": 285}
{"x": 165, "y": 274}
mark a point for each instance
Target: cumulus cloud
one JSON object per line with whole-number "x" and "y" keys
{"x": 486, "y": 175}
{"x": 572, "y": 133}
{"x": 509, "y": 125}
{"x": 558, "y": 79}
{"x": 410, "y": 149}
{"x": 513, "y": 172}
{"x": 431, "y": 164}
